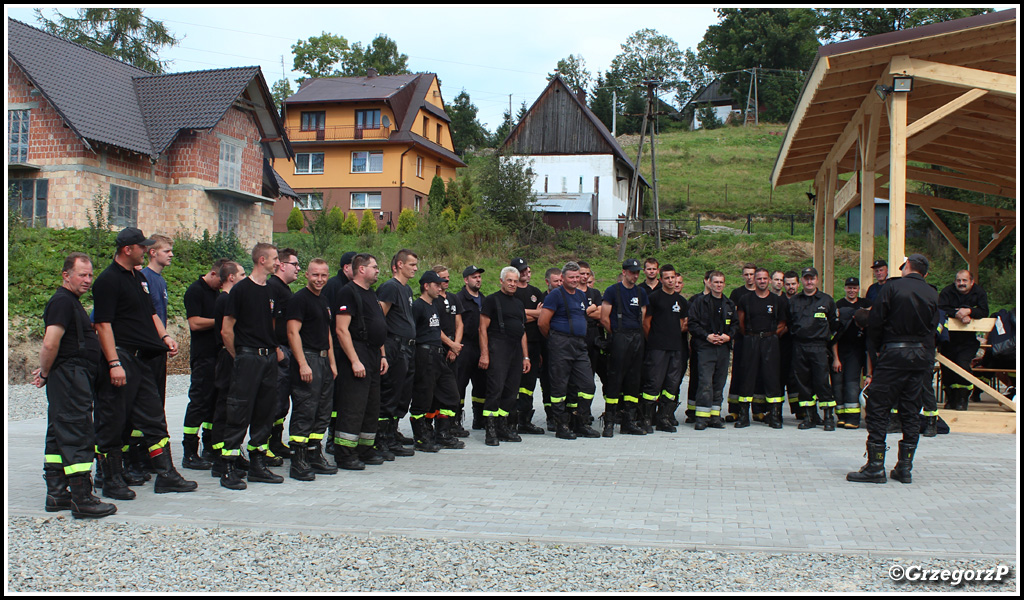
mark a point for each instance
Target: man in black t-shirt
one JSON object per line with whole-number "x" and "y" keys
{"x": 622, "y": 314}
{"x": 312, "y": 374}
{"x": 762, "y": 318}
{"x": 736, "y": 381}
{"x": 200, "y": 302}
{"x": 467, "y": 371}
{"x": 396, "y": 299}
{"x": 503, "y": 348}
{"x": 851, "y": 345}
{"x": 68, "y": 367}
{"x": 278, "y": 283}
{"x": 230, "y": 274}
{"x": 132, "y": 338}
{"x": 665, "y": 326}
{"x": 248, "y": 334}
{"x": 531, "y": 297}
{"x": 361, "y": 330}
{"x": 449, "y": 310}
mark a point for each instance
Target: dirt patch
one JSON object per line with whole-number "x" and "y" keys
{"x": 799, "y": 251}
{"x": 23, "y": 351}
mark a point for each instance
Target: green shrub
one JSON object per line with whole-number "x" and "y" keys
{"x": 351, "y": 224}
{"x": 368, "y": 224}
{"x": 407, "y": 221}
{"x": 295, "y": 221}
{"x": 448, "y": 220}
{"x": 335, "y": 219}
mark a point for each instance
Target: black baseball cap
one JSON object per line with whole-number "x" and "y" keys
{"x": 631, "y": 264}
{"x": 471, "y": 270}
{"x": 852, "y": 281}
{"x": 879, "y": 263}
{"x": 133, "y": 235}
{"x": 919, "y": 262}
{"x": 809, "y": 272}
{"x": 519, "y": 263}
{"x": 346, "y": 258}
{"x": 431, "y": 277}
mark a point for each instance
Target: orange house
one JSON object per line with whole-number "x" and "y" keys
{"x": 371, "y": 142}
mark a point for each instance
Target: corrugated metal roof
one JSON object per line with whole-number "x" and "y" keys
{"x": 569, "y": 203}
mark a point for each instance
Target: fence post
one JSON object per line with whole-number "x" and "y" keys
{"x": 748, "y": 223}
{"x": 792, "y": 225}
{"x": 698, "y": 222}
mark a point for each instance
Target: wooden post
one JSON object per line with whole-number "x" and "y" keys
{"x": 829, "y": 238}
{"x": 633, "y": 189}
{"x": 897, "y": 178}
{"x": 819, "y": 225}
{"x": 654, "y": 168}
{"x": 973, "y": 246}
{"x": 869, "y": 150}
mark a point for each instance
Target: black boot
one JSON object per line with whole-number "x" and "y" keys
{"x": 578, "y": 424}
{"x": 491, "y": 431}
{"x": 930, "y": 426}
{"x": 58, "y": 497}
{"x": 775, "y": 415}
{"x": 562, "y": 423}
{"x": 550, "y": 423}
{"x": 420, "y": 432}
{"x": 478, "y": 415}
{"x": 277, "y": 446}
{"x": 672, "y": 405}
{"x": 700, "y": 423}
{"x": 300, "y": 468}
{"x": 444, "y": 434}
{"x": 369, "y": 454}
{"x": 964, "y": 397}
{"x": 190, "y": 458}
{"x": 852, "y": 420}
{"x": 743, "y": 415}
{"x": 394, "y": 440}
{"x": 811, "y": 419}
{"x": 258, "y": 470}
{"x": 347, "y": 457}
{"x": 715, "y": 422}
{"x": 232, "y": 477}
{"x": 663, "y": 419}
{"x": 135, "y": 471}
{"x": 380, "y": 441}
{"x": 83, "y": 504}
{"x": 114, "y": 485}
{"x": 398, "y": 437}
{"x": 505, "y": 431}
{"x": 691, "y": 416}
{"x": 457, "y": 429}
{"x": 629, "y": 425}
{"x": 874, "y": 470}
{"x": 905, "y": 464}
{"x": 645, "y": 415}
{"x": 829, "y": 420}
{"x": 609, "y": 417}
{"x": 526, "y": 424}
{"x": 317, "y": 460}
{"x": 167, "y": 477}
{"x": 208, "y": 452}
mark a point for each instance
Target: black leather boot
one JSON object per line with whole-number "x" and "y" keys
{"x": 232, "y": 477}
{"x": 742, "y": 415}
{"x": 190, "y": 458}
{"x": 506, "y": 433}
{"x": 368, "y": 454}
{"x": 58, "y": 497}
{"x": 700, "y": 423}
{"x": 478, "y": 415}
{"x": 562, "y": 424}
{"x": 609, "y": 418}
{"x": 715, "y": 422}
{"x": 114, "y": 485}
{"x": 317, "y": 460}
{"x": 930, "y": 426}
{"x": 457, "y": 429}
{"x": 629, "y": 425}
{"x": 167, "y": 477}
{"x": 491, "y": 431}
{"x": 852, "y": 420}
{"x": 276, "y": 445}
{"x": 874, "y": 470}
{"x": 444, "y": 434}
{"x": 811, "y": 419}
{"x": 578, "y": 424}
{"x": 549, "y": 418}
{"x": 135, "y": 471}
{"x": 905, "y": 464}
{"x": 665, "y": 415}
{"x": 83, "y": 504}
{"x": 829, "y": 419}
{"x": 258, "y": 470}
{"x": 398, "y": 437}
{"x": 380, "y": 441}
{"x": 775, "y": 415}
{"x": 347, "y": 457}
{"x": 964, "y": 399}
{"x": 300, "y": 468}
{"x": 395, "y": 440}
{"x": 526, "y": 424}
{"x": 420, "y": 433}
{"x": 208, "y": 452}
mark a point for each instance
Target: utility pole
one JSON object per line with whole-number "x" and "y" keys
{"x": 634, "y": 188}
{"x": 615, "y": 104}
{"x": 751, "y": 95}
{"x": 651, "y": 96}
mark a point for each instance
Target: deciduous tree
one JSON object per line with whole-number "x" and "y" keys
{"x": 837, "y": 24}
{"x": 124, "y": 33}
{"x": 573, "y": 70}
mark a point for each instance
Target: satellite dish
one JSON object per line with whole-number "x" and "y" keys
{"x": 385, "y": 121}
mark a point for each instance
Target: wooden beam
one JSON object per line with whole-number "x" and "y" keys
{"x": 870, "y": 126}
{"x": 819, "y": 224}
{"x": 941, "y": 113}
{"x": 847, "y": 197}
{"x": 1001, "y": 399}
{"x": 799, "y": 117}
{"x": 918, "y": 142}
{"x": 945, "y": 231}
{"x": 973, "y": 243}
{"x": 1002, "y": 235}
{"x": 897, "y": 176}
{"x": 964, "y": 208}
{"x": 956, "y": 180}
{"x": 963, "y": 77}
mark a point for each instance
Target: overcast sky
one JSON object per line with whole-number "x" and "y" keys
{"x": 490, "y": 51}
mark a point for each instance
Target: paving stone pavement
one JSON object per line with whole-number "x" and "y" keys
{"x": 754, "y": 489}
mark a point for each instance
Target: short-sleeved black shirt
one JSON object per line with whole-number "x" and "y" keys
{"x": 593, "y": 325}
{"x": 513, "y": 314}
{"x": 62, "y": 310}
{"x": 399, "y": 317}
{"x": 121, "y": 300}
{"x": 635, "y": 298}
{"x": 531, "y": 297}
{"x": 470, "y": 306}
{"x": 667, "y": 312}
{"x": 281, "y": 294}
{"x": 368, "y": 323}
{"x": 316, "y": 318}
{"x": 428, "y": 323}
{"x": 218, "y": 317}
{"x": 448, "y": 306}
{"x": 253, "y": 308}
{"x": 762, "y": 314}
{"x": 200, "y": 301}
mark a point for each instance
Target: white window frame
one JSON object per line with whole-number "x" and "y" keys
{"x": 310, "y": 201}
{"x": 366, "y": 203}
{"x": 125, "y": 197}
{"x": 419, "y": 167}
{"x": 367, "y": 156}
{"x": 18, "y": 135}
{"x": 228, "y": 216}
{"x": 230, "y": 164}
{"x": 309, "y": 169}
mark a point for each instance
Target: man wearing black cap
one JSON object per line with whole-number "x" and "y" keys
{"x": 466, "y": 369}
{"x": 433, "y": 379}
{"x": 131, "y": 337}
{"x": 852, "y": 353}
{"x": 880, "y": 269}
{"x": 963, "y": 300}
{"x": 901, "y": 324}
{"x": 813, "y": 319}
{"x": 521, "y": 420}
{"x": 622, "y": 314}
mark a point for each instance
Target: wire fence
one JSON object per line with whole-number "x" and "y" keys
{"x": 703, "y": 223}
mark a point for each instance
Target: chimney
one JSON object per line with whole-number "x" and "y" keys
{"x": 371, "y": 73}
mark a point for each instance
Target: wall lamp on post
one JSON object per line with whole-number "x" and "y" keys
{"x": 900, "y": 83}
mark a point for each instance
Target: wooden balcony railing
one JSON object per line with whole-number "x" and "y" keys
{"x": 337, "y": 132}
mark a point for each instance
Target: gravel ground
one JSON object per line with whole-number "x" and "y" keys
{"x": 56, "y": 553}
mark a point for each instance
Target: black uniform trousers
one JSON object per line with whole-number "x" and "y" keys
{"x": 625, "y": 361}
{"x": 574, "y": 400}
{"x": 846, "y": 384}
{"x": 251, "y": 401}
{"x": 396, "y": 386}
{"x": 503, "y": 375}
{"x": 359, "y": 405}
{"x": 433, "y": 379}
{"x": 70, "y": 393}
{"x": 960, "y": 350}
{"x": 663, "y": 374}
{"x": 136, "y": 402}
{"x": 713, "y": 370}
{"x": 467, "y": 371}
{"x": 528, "y": 381}
{"x": 202, "y": 395}
{"x": 284, "y": 384}
{"x": 693, "y": 384}
{"x": 568, "y": 364}
{"x": 222, "y": 375}
{"x": 736, "y": 382}
{"x": 897, "y": 382}
{"x": 811, "y": 370}
{"x": 311, "y": 402}
{"x": 759, "y": 358}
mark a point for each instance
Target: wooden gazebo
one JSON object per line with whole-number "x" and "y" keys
{"x": 943, "y": 96}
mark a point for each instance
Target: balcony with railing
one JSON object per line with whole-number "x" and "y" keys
{"x": 337, "y": 133}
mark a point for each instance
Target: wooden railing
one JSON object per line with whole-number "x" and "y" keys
{"x": 337, "y": 132}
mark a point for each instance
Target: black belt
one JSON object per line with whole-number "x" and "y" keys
{"x": 569, "y": 335}
{"x": 902, "y": 345}
{"x": 432, "y": 349}
{"x": 321, "y": 353}
{"x": 403, "y": 341}
{"x": 761, "y": 334}
{"x": 251, "y": 350}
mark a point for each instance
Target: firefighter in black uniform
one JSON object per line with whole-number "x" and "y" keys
{"x": 581, "y": 407}
{"x": 278, "y": 283}
{"x": 623, "y": 307}
{"x": 964, "y": 301}
{"x": 762, "y": 319}
{"x": 230, "y": 274}
{"x": 521, "y": 419}
{"x": 466, "y": 369}
{"x": 712, "y": 323}
{"x": 852, "y": 354}
{"x": 449, "y": 310}
{"x": 395, "y": 297}
{"x": 736, "y": 379}
{"x": 693, "y": 384}
{"x": 813, "y": 319}
{"x": 68, "y": 366}
{"x": 665, "y": 326}
{"x": 901, "y": 324}
{"x": 313, "y": 371}
{"x": 330, "y": 292}
{"x": 504, "y": 355}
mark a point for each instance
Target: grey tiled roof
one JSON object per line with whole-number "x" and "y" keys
{"x": 105, "y": 100}
{"x": 350, "y": 89}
